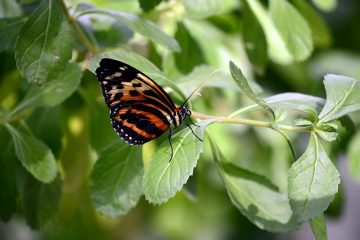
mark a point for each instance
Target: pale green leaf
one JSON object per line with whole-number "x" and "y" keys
{"x": 144, "y": 27}
{"x": 342, "y": 97}
{"x": 254, "y": 38}
{"x": 9, "y": 8}
{"x": 296, "y": 101}
{"x": 288, "y": 101}
{"x": 337, "y": 62}
{"x": 327, "y": 131}
{"x": 353, "y": 153}
{"x": 53, "y": 92}
{"x": 244, "y": 86}
{"x": 320, "y": 31}
{"x": 45, "y": 42}
{"x": 163, "y": 178}
{"x": 255, "y": 196}
{"x": 287, "y": 33}
{"x": 277, "y": 48}
{"x": 202, "y": 8}
{"x": 97, "y": 28}
{"x": 41, "y": 201}
{"x": 325, "y": 5}
{"x": 312, "y": 181}
{"x": 34, "y": 155}
{"x": 293, "y": 28}
{"x": 318, "y": 227}
{"x": 117, "y": 179}
{"x": 206, "y": 76}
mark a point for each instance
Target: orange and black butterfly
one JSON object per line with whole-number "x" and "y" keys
{"x": 140, "y": 110}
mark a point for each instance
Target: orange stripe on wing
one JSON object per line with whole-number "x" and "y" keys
{"x": 138, "y": 130}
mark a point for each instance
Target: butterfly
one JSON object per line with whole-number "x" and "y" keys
{"x": 140, "y": 110}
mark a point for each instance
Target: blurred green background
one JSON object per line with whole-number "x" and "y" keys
{"x": 203, "y": 210}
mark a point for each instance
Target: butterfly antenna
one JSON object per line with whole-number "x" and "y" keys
{"x": 200, "y": 84}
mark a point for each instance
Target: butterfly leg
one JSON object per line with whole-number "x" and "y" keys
{"x": 193, "y": 122}
{"x": 193, "y": 132}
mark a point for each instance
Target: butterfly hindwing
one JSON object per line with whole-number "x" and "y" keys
{"x": 140, "y": 110}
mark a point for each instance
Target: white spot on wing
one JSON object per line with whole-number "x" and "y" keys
{"x": 117, "y": 74}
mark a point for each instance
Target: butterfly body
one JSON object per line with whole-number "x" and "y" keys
{"x": 140, "y": 110}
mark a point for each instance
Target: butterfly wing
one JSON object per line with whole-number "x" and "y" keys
{"x": 140, "y": 109}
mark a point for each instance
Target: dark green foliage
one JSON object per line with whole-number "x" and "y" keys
{"x": 148, "y": 5}
{"x": 191, "y": 55}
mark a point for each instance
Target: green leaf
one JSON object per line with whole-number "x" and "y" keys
{"x": 312, "y": 181}
{"x": 207, "y": 76}
{"x": 327, "y": 131}
{"x": 144, "y": 27}
{"x": 287, "y": 33}
{"x": 342, "y": 97}
{"x": 288, "y": 101}
{"x": 293, "y": 28}
{"x": 148, "y": 5}
{"x": 131, "y": 58}
{"x": 320, "y": 32}
{"x": 163, "y": 178}
{"x": 8, "y": 191}
{"x": 46, "y": 124}
{"x": 296, "y": 101}
{"x": 325, "y": 5}
{"x": 191, "y": 54}
{"x": 277, "y": 49}
{"x": 54, "y": 92}
{"x": 336, "y": 61}
{"x": 202, "y": 8}
{"x": 41, "y": 201}
{"x": 318, "y": 227}
{"x": 117, "y": 177}
{"x": 9, "y": 8}
{"x": 9, "y": 28}
{"x": 34, "y": 155}
{"x": 244, "y": 86}
{"x": 255, "y": 196}
{"x": 45, "y": 42}
{"x": 97, "y": 28}
{"x": 353, "y": 154}
{"x": 254, "y": 38}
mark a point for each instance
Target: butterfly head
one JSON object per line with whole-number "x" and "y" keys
{"x": 184, "y": 112}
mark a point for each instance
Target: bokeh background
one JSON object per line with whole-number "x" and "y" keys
{"x": 203, "y": 210}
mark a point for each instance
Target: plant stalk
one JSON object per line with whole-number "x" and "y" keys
{"x": 255, "y": 123}
{"x": 79, "y": 33}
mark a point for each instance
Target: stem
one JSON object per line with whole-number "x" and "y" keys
{"x": 79, "y": 33}
{"x": 256, "y": 123}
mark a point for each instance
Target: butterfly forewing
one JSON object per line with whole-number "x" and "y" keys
{"x": 140, "y": 109}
